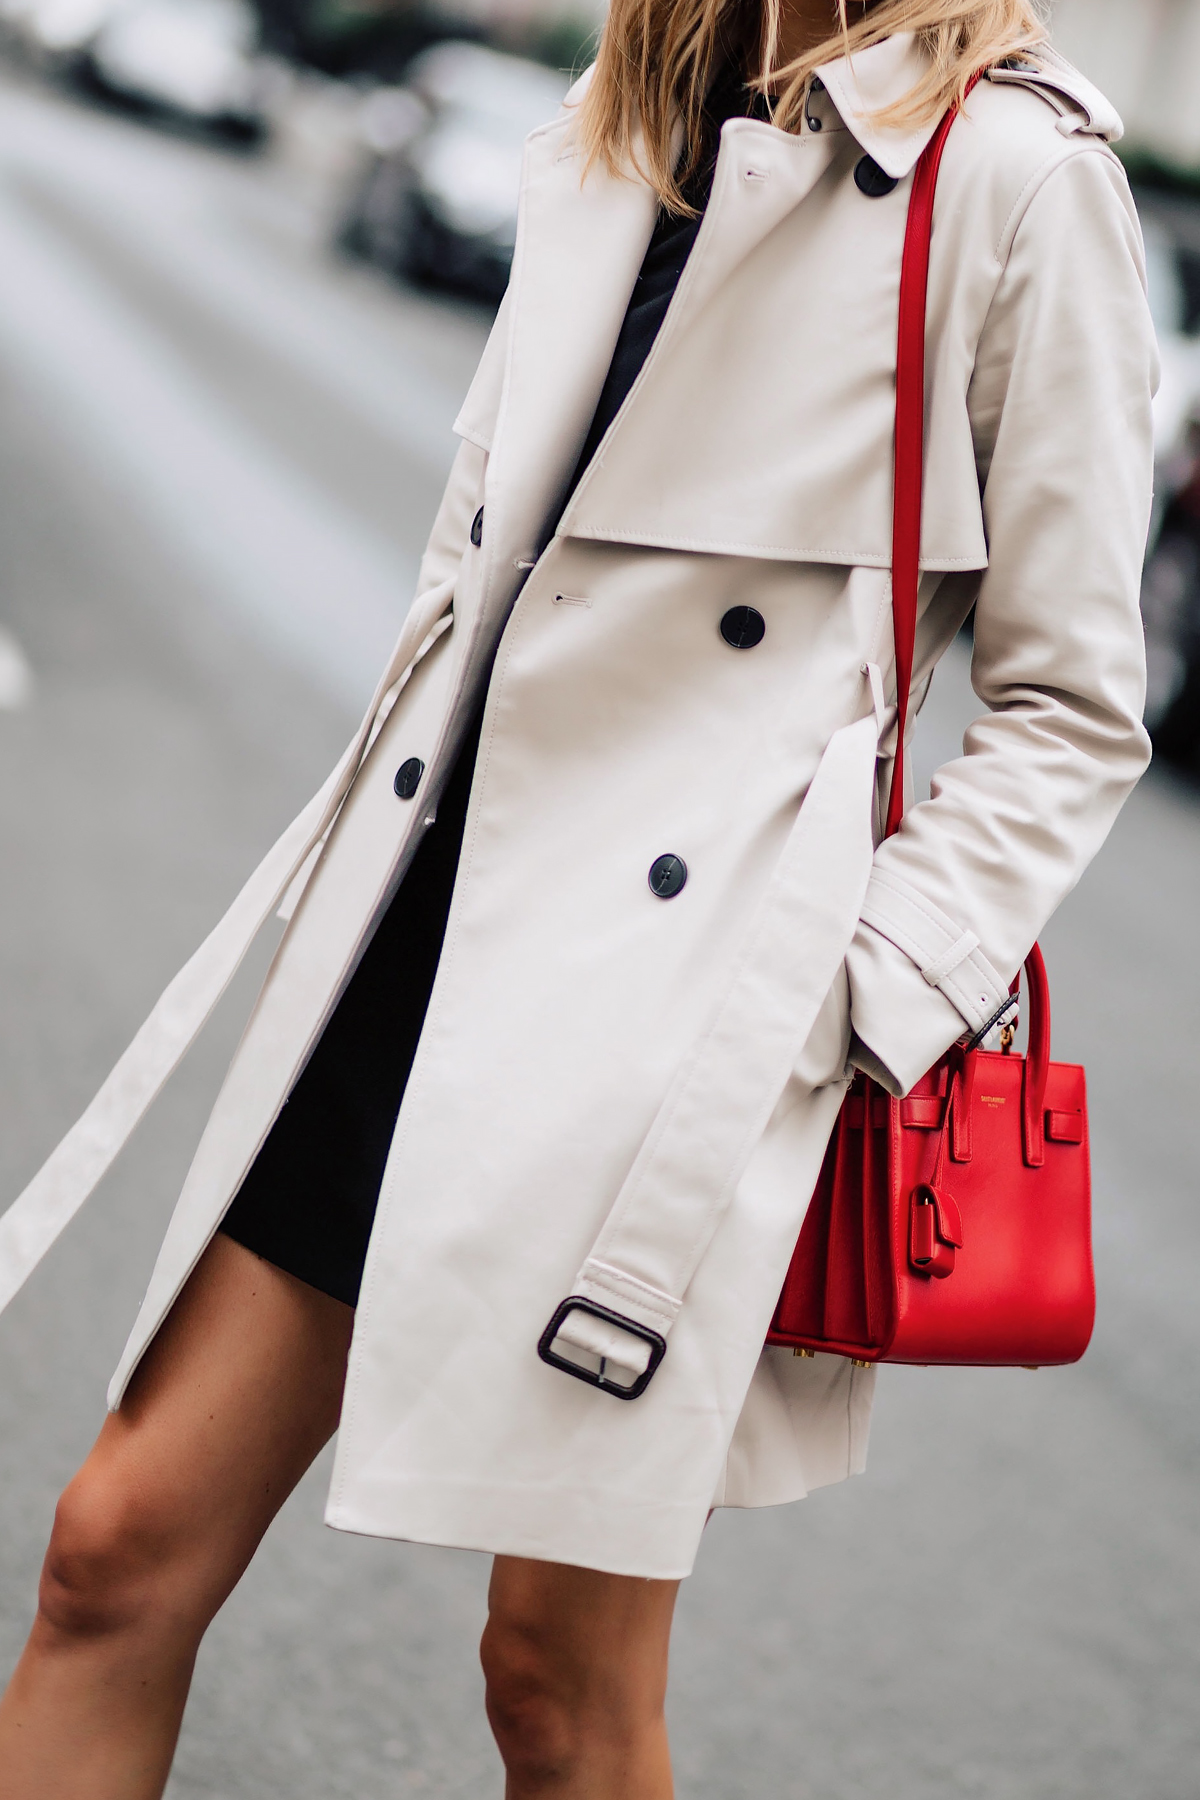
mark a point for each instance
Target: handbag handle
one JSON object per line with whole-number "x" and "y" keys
{"x": 910, "y": 437}
{"x": 1037, "y": 1062}
{"x": 960, "y": 1092}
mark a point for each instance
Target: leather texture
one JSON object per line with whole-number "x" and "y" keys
{"x": 953, "y": 1226}
{"x": 956, "y": 1228}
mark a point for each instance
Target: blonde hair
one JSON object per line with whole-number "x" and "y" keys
{"x": 656, "y": 59}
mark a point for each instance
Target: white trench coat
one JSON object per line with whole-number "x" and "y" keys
{"x": 630, "y": 1097}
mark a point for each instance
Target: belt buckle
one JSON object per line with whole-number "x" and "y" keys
{"x": 596, "y": 1377}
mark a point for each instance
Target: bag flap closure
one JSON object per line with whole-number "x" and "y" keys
{"x": 948, "y": 1217}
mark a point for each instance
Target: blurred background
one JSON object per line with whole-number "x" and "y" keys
{"x": 248, "y": 258}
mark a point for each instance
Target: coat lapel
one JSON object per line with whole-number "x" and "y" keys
{"x": 762, "y": 174}
{"x": 579, "y": 249}
{"x": 865, "y": 84}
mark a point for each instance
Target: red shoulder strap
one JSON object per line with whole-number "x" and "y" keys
{"x": 906, "y": 567}
{"x": 910, "y": 438}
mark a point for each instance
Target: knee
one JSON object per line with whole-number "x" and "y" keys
{"x": 104, "y": 1553}
{"x": 533, "y": 1705}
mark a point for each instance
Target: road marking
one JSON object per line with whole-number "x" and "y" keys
{"x": 16, "y": 676}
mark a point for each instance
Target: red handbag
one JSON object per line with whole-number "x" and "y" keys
{"x": 953, "y": 1226}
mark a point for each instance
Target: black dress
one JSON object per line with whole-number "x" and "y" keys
{"x": 308, "y": 1202}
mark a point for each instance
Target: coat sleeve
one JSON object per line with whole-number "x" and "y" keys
{"x": 475, "y": 425}
{"x": 439, "y": 568}
{"x": 452, "y": 524}
{"x": 1060, "y": 407}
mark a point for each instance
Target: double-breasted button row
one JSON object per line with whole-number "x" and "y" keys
{"x": 668, "y": 873}
{"x": 742, "y": 627}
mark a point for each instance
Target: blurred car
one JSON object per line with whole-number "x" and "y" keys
{"x": 1171, "y": 579}
{"x": 435, "y": 199}
{"x": 192, "y": 59}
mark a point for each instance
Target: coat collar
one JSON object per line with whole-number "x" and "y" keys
{"x": 579, "y": 248}
{"x": 864, "y": 84}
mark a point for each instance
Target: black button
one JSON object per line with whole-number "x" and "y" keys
{"x": 408, "y": 778}
{"x": 743, "y": 627}
{"x": 477, "y": 521}
{"x": 667, "y": 876}
{"x": 873, "y": 181}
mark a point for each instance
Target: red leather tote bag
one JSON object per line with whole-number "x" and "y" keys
{"x": 953, "y": 1226}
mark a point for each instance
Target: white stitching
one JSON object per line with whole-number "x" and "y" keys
{"x": 943, "y": 966}
{"x": 802, "y": 553}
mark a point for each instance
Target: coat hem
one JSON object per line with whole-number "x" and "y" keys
{"x": 583, "y": 1528}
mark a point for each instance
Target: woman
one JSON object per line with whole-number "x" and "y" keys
{"x": 654, "y": 600}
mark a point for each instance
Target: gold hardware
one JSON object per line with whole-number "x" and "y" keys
{"x": 1032, "y": 1367}
{"x": 799, "y": 1352}
{"x": 1008, "y": 1037}
{"x": 856, "y": 1363}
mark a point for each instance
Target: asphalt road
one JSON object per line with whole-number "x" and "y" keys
{"x": 218, "y": 454}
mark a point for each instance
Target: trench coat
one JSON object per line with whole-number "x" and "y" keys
{"x": 625, "y": 1096}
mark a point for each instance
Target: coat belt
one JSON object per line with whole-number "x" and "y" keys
{"x": 72, "y": 1171}
{"x": 686, "y": 1173}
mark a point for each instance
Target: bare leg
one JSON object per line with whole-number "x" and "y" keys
{"x": 576, "y": 1669}
{"x": 236, "y": 1396}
